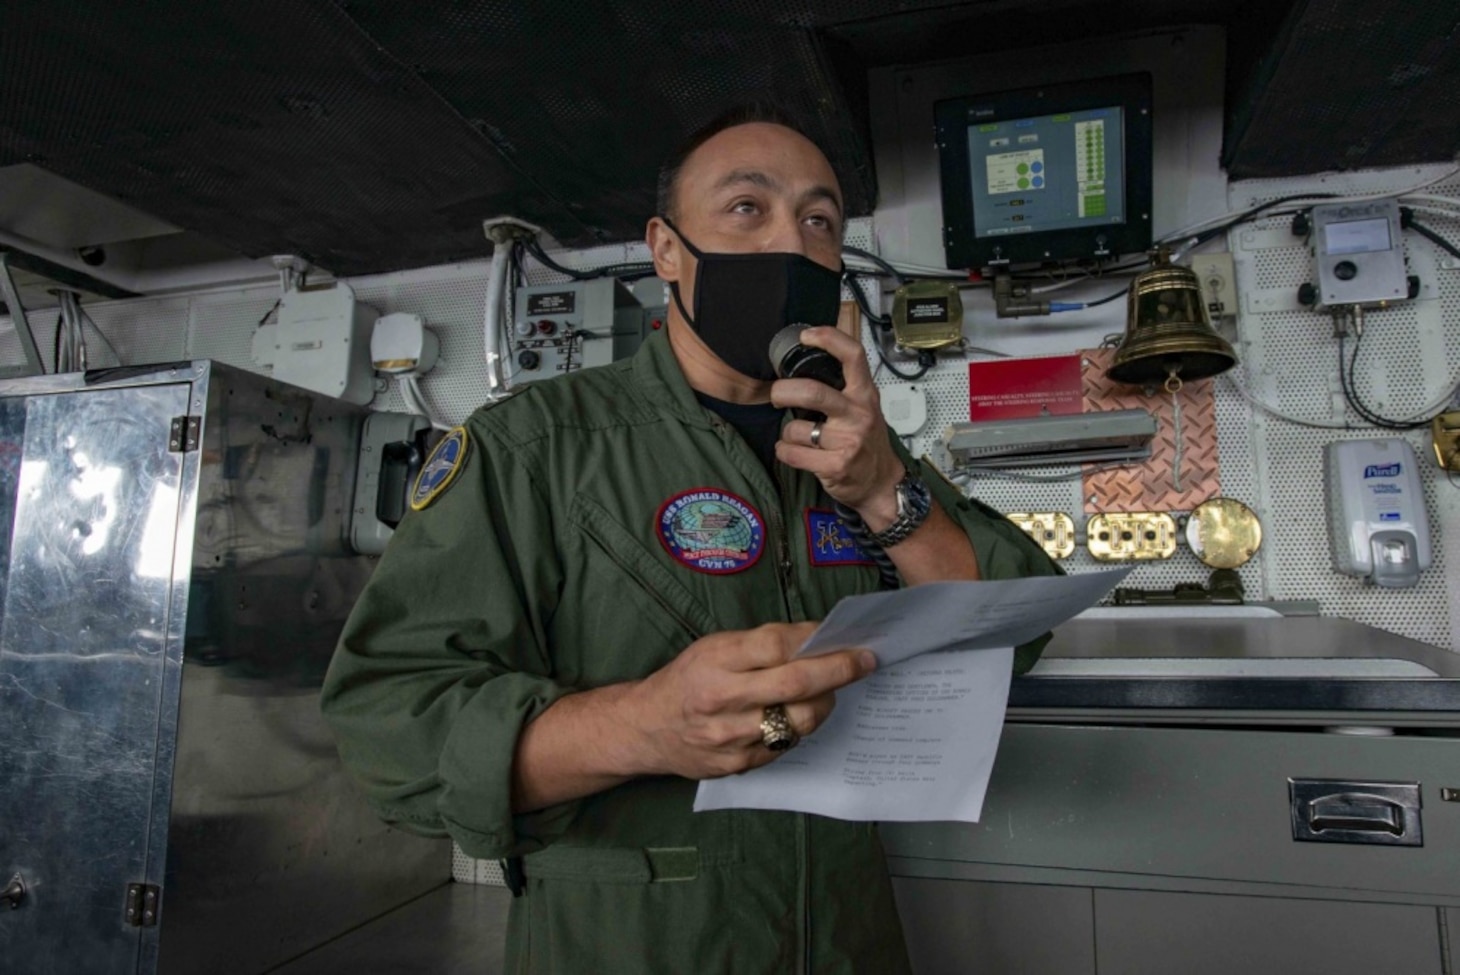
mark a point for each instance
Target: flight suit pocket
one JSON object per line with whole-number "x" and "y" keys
{"x": 649, "y": 577}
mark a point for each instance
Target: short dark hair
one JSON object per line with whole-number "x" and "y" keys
{"x": 742, "y": 114}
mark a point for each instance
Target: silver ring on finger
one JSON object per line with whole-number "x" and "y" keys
{"x": 776, "y": 732}
{"x": 816, "y": 435}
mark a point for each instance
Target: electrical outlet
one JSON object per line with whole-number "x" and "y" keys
{"x": 1218, "y": 280}
{"x": 1131, "y": 535}
{"x": 1054, "y": 531}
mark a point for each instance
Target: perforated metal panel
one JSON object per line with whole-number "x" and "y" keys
{"x": 946, "y": 387}
{"x": 468, "y": 870}
{"x": 1409, "y": 356}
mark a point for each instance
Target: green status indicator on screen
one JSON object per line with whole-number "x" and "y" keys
{"x": 989, "y": 127}
{"x": 1061, "y": 118}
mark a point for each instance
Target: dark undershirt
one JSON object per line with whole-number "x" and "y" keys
{"x": 759, "y": 424}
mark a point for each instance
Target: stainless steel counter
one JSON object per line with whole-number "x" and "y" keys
{"x": 1304, "y": 664}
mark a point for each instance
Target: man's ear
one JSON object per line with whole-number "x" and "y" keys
{"x": 664, "y": 249}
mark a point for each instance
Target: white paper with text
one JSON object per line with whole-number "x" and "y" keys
{"x": 916, "y": 740}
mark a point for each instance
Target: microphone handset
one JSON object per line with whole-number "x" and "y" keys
{"x": 792, "y": 360}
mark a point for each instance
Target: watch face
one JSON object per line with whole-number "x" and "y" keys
{"x": 912, "y": 496}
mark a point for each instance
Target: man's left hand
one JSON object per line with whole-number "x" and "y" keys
{"x": 854, "y": 459}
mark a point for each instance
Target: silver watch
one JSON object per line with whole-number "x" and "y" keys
{"x": 913, "y": 505}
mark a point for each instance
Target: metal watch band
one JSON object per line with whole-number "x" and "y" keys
{"x": 913, "y": 505}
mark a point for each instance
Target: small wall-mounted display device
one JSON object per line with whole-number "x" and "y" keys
{"x": 558, "y": 328}
{"x": 1359, "y": 255}
{"x": 1377, "y": 527}
{"x": 1054, "y": 173}
{"x": 927, "y": 315}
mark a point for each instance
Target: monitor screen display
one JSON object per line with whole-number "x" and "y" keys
{"x": 1045, "y": 175}
{"x": 1050, "y": 172}
{"x": 1357, "y": 236}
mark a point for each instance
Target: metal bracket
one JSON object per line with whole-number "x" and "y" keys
{"x": 13, "y": 893}
{"x": 141, "y": 905}
{"x": 18, "y": 319}
{"x": 185, "y": 433}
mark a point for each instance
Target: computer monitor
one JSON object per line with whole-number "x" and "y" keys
{"x": 1050, "y": 174}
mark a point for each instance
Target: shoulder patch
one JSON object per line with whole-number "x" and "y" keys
{"x": 447, "y": 459}
{"x": 828, "y": 541}
{"x": 711, "y": 531}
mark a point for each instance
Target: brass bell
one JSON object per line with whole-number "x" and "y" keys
{"x": 1168, "y": 338}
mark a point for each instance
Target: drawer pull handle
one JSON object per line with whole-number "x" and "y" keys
{"x": 1356, "y": 811}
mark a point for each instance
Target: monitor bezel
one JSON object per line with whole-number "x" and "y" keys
{"x": 962, "y": 248}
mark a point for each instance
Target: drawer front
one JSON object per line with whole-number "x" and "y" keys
{"x": 1209, "y": 805}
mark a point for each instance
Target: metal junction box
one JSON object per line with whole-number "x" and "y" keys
{"x": 173, "y": 576}
{"x": 559, "y": 328}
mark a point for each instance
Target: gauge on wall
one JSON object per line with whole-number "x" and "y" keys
{"x": 1223, "y": 532}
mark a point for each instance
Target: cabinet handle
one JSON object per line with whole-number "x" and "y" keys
{"x": 1356, "y": 811}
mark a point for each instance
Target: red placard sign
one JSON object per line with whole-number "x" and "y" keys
{"x": 1006, "y": 389}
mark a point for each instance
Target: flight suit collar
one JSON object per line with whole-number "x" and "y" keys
{"x": 658, "y": 379}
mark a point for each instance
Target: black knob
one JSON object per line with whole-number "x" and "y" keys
{"x": 1345, "y": 270}
{"x": 528, "y": 359}
{"x": 1414, "y": 285}
{"x": 1307, "y": 294}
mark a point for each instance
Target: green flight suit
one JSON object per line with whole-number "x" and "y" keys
{"x": 548, "y": 566}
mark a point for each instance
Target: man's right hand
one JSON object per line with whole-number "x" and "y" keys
{"x": 699, "y": 716}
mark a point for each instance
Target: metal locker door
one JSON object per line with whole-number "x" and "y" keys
{"x": 92, "y": 515}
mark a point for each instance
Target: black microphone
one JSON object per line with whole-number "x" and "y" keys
{"x": 792, "y": 360}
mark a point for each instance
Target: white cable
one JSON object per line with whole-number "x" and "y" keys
{"x": 1447, "y": 202}
{"x": 1355, "y": 198}
{"x": 1437, "y": 211}
{"x": 1271, "y": 410}
{"x": 415, "y": 399}
{"x": 491, "y": 326}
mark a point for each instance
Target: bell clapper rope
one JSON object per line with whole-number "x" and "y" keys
{"x": 1173, "y": 386}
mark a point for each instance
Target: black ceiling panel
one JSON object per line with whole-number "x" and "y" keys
{"x": 1347, "y": 84}
{"x": 948, "y": 32}
{"x": 265, "y": 126}
{"x": 586, "y": 99}
{"x": 375, "y": 135}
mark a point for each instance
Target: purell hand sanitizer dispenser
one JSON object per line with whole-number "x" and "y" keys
{"x": 1377, "y": 528}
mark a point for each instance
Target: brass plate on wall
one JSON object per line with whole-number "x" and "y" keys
{"x": 1223, "y": 532}
{"x": 1053, "y": 531}
{"x": 1131, "y": 536}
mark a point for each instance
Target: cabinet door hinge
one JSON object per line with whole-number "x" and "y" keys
{"x": 184, "y": 434}
{"x": 141, "y": 906}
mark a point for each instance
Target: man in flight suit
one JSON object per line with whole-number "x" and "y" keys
{"x": 596, "y": 602}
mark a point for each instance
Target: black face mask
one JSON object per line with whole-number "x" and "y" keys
{"x": 742, "y": 300}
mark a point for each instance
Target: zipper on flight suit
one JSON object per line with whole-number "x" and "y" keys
{"x": 776, "y": 524}
{"x": 803, "y": 838}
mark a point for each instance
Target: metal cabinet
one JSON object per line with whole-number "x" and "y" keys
{"x": 1158, "y": 849}
{"x": 173, "y": 574}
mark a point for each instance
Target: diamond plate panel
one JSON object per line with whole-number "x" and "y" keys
{"x": 1182, "y": 472}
